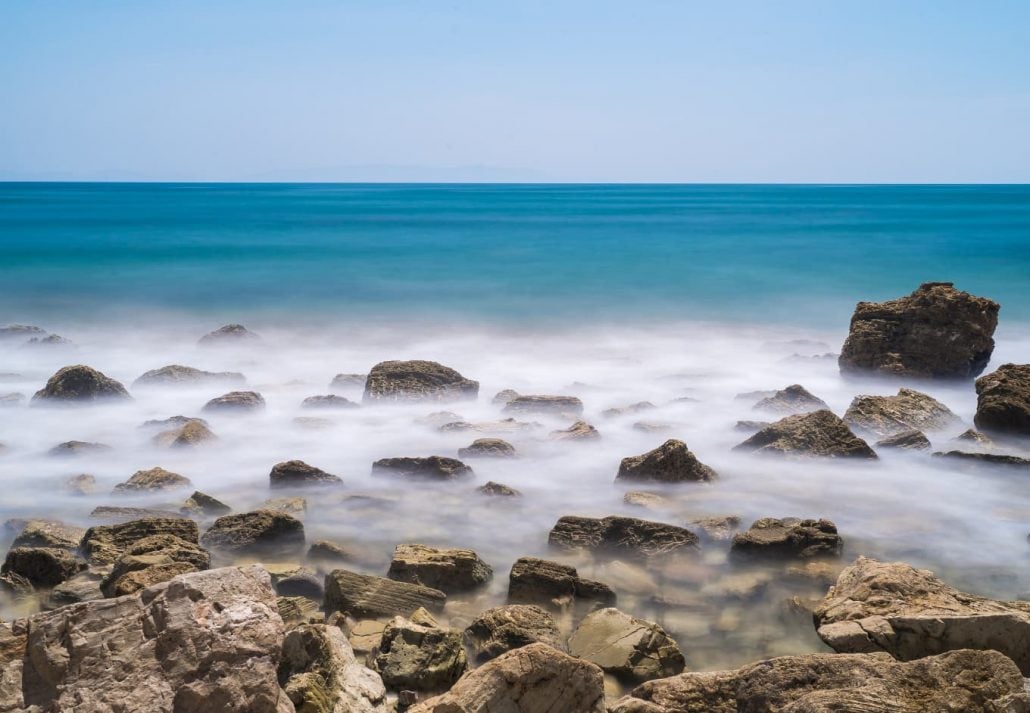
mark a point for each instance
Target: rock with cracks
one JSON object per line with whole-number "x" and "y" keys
{"x": 907, "y": 410}
{"x": 449, "y": 570}
{"x": 417, "y": 380}
{"x": 1003, "y": 401}
{"x": 671, "y": 462}
{"x": 80, "y": 384}
{"x": 630, "y": 649}
{"x": 621, "y": 536}
{"x": 819, "y": 433}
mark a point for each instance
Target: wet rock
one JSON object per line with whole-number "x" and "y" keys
{"x": 651, "y": 427}
{"x": 320, "y": 674}
{"x": 718, "y": 528}
{"x": 123, "y": 514}
{"x": 790, "y": 538}
{"x": 638, "y": 407}
{"x": 82, "y": 587}
{"x": 910, "y": 613}
{"x": 819, "y": 433}
{"x": 80, "y": 384}
{"x": 192, "y": 433}
{"x": 229, "y": 334}
{"x": 493, "y": 489}
{"x": 296, "y": 506}
{"x": 298, "y": 610}
{"x": 152, "y": 560}
{"x": 176, "y": 375}
{"x": 625, "y": 536}
{"x": 531, "y": 679}
{"x": 329, "y": 552}
{"x": 751, "y": 426}
{"x": 913, "y": 440}
{"x": 429, "y": 468}
{"x": 82, "y": 484}
{"x": 77, "y": 448}
{"x": 578, "y": 431}
{"x": 974, "y": 437}
{"x": 12, "y": 398}
{"x": 551, "y": 584}
{"x": 450, "y": 571}
{"x": 908, "y": 410}
{"x": 1003, "y": 401}
{"x": 501, "y": 629}
{"x": 147, "y": 481}
{"x": 21, "y": 331}
{"x": 488, "y": 448}
{"x": 172, "y": 422}
{"x": 975, "y": 459}
{"x": 42, "y": 566}
{"x": 235, "y": 401}
{"x": 49, "y": 533}
{"x": 342, "y": 382}
{"x": 364, "y": 635}
{"x": 419, "y": 658}
{"x": 835, "y": 683}
{"x": 504, "y": 425}
{"x": 632, "y": 650}
{"x": 671, "y": 462}
{"x": 297, "y": 473}
{"x": 367, "y": 596}
{"x": 503, "y": 397}
{"x": 51, "y": 340}
{"x": 297, "y": 581}
{"x": 330, "y": 401}
{"x": 261, "y": 531}
{"x": 104, "y": 544}
{"x": 936, "y": 332}
{"x": 417, "y": 380}
{"x": 557, "y": 405}
{"x": 203, "y": 504}
{"x": 793, "y": 399}
{"x": 644, "y": 499}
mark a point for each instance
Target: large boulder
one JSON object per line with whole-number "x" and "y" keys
{"x": 258, "y": 532}
{"x": 417, "y": 380}
{"x": 671, "y": 462}
{"x": 788, "y": 538}
{"x": 560, "y": 405}
{"x": 630, "y": 649}
{"x": 104, "y": 544}
{"x": 1003, "y": 400}
{"x": 982, "y": 681}
{"x": 793, "y": 399}
{"x": 819, "y": 433}
{"x": 450, "y": 570}
{"x": 297, "y": 473}
{"x": 176, "y": 375}
{"x": 367, "y": 596}
{"x": 910, "y": 613}
{"x": 428, "y": 468}
{"x": 553, "y": 585}
{"x": 42, "y": 566}
{"x": 936, "y": 332}
{"x": 80, "y": 384}
{"x": 501, "y": 629}
{"x": 418, "y": 657}
{"x": 206, "y": 642}
{"x": 531, "y": 679}
{"x": 623, "y": 536}
{"x": 148, "y": 481}
{"x": 890, "y": 415}
{"x": 235, "y": 402}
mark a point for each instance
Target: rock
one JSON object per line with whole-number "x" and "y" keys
{"x": 342, "y": 382}
{"x": 418, "y": 381}
{"x": 49, "y": 533}
{"x": 984, "y": 459}
{"x": 80, "y": 384}
{"x": 503, "y": 397}
{"x": 578, "y": 431}
{"x": 439, "y": 419}
{"x": 153, "y": 559}
{"x": 501, "y": 629}
{"x": 504, "y": 425}
{"x": 497, "y": 489}
{"x": 42, "y": 566}
{"x": 82, "y": 484}
{"x": 366, "y": 596}
{"x": 651, "y": 427}
{"x": 291, "y": 581}
{"x": 124, "y": 514}
{"x": 104, "y": 544}
{"x": 364, "y": 635}
{"x": 82, "y": 587}
{"x": 235, "y": 401}
{"x": 430, "y": 468}
{"x": 450, "y": 571}
{"x": 913, "y": 440}
{"x": 176, "y": 375}
{"x": 51, "y": 340}
{"x": 420, "y": 658}
{"x": 551, "y": 584}
{"x": 644, "y": 499}
{"x": 291, "y": 506}
{"x": 298, "y": 610}
{"x": 21, "y": 331}
{"x": 329, "y": 552}
{"x": 790, "y": 537}
{"x": 973, "y": 436}
{"x": 206, "y": 642}
{"x": 835, "y": 683}
{"x": 819, "y": 433}
{"x": 171, "y": 422}
{"x": 793, "y": 399}
{"x": 625, "y": 536}
{"x": 297, "y": 473}
{"x": 203, "y": 504}
{"x": 558, "y": 405}
{"x": 313, "y": 423}
{"x": 632, "y": 650}
{"x": 631, "y": 409}
{"x": 910, "y": 613}
{"x": 671, "y": 462}
{"x": 1003, "y": 401}
{"x": 146, "y": 481}
{"x": 890, "y": 415}
{"x": 936, "y": 332}
{"x": 77, "y": 448}
{"x": 488, "y": 448}
{"x": 330, "y": 401}
{"x": 717, "y": 528}
{"x": 12, "y": 398}
{"x": 531, "y": 679}
{"x": 193, "y": 433}
{"x": 229, "y": 334}
{"x": 261, "y": 531}
{"x": 751, "y": 426}
{"x": 320, "y": 674}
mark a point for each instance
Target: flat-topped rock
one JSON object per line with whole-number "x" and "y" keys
{"x": 235, "y": 402}
{"x": 1003, "y": 401}
{"x": 261, "y": 531}
{"x": 229, "y": 334}
{"x": 80, "y": 384}
{"x": 367, "y": 596}
{"x": 49, "y": 533}
{"x": 501, "y": 629}
{"x": 493, "y": 489}
{"x": 552, "y": 584}
{"x": 819, "y": 433}
{"x": 121, "y": 513}
{"x": 631, "y": 649}
{"x": 418, "y": 380}
{"x": 297, "y": 473}
{"x": 717, "y": 527}
{"x": 104, "y": 544}
{"x": 890, "y": 415}
{"x": 413, "y": 657}
{"x": 977, "y": 459}
{"x": 194, "y": 432}
{"x": 328, "y": 402}
{"x": 793, "y": 399}
{"x": 427, "y": 468}
{"x": 42, "y": 566}
{"x": 910, "y": 613}
{"x": 787, "y": 538}
{"x": 449, "y": 570}
{"x": 152, "y": 560}
{"x": 148, "y": 481}
{"x": 671, "y": 462}
{"x": 177, "y": 375}
{"x": 936, "y": 332}
{"x": 578, "y": 431}
{"x": 913, "y": 440}
{"x": 488, "y": 448}
{"x": 343, "y": 382}
{"x": 626, "y": 536}
{"x": 564, "y": 405}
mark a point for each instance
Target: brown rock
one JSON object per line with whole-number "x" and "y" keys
{"x": 320, "y": 674}
{"x": 175, "y": 374}
{"x": 429, "y": 468}
{"x": 42, "y": 566}
{"x": 488, "y": 448}
{"x": 1003, "y": 401}
{"x": 418, "y": 381}
{"x": 551, "y": 584}
{"x": 562, "y": 405}
{"x": 501, "y": 629}
{"x": 229, "y": 334}
{"x": 450, "y": 571}
{"x": 236, "y": 401}
{"x": 671, "y": 462}
{"x": 261, "y": 531}
{"x": 497, "y": 489}
{"x": 578, "y": 431}
{"x": 366, "y": 596}
{"x": 192, "y": 433}
{"x": 80, "y": 384}
{"x": 819, "y": 433}
{"x": 630, "y": 649}
{"x": 890, "y": 415}
{"x": 625, "y": 536}
{"x": 143, "y": 481}
{"x": 411, "y": 656}
{"x": 330, "y": 401}
{"x": 790, "y": 537}
{"x": 913, "y": 440}
{"x": 297, "y": 473}
{"x": 104, "y": 544}
{"x": 793, "y": 399}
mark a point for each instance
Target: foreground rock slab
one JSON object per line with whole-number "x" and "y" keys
{"x": 257, "y": 532}
{"x": 1003, "y": 400}
{"x": 552, "y": 584}
{"x": 501, "y": 629}
{"x": 419, "y": 657}
{"x": 417, "y": 380}
{"x": 321, "y": 675}
{"x": 910, "y": 613}
{"x": 630, "y": 649}
{"x": 819, "y": 433}
{"x": 621, "y": 536}
{"x": 427, "y": 468}
{"x": 367, "y": 596}
{"x": 671, "y": 462}
{"x": 907, "y": 410}
{"x": 449, "y": 570}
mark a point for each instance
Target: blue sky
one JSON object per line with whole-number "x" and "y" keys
{"x": 776, "y": 91}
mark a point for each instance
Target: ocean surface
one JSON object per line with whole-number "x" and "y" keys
{"x": 688, "y": 298}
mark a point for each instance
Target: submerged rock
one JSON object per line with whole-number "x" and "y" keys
{"x": 297, "y": 473}
{"x": 890, "y": 415}
{"x": 229, "y": 334}
{"x": 789, "y": 537}
{"x": 203, "y": 504}
{"x": 261, "y": 531}
{"x": 176, "y": 374}
{"x": 420, "y": 658}
{"x": 488, "y": 448}
{"x": 503, "y": 397}
{"x": 630, "y": 649}
{"x": 910, "y": 613}
{"x": 717, "y": 528}
{"x": 793, "y": 399}
{"x": 330, "y": 401}
{"x": 367, "y": 596}
{"x": 235, "y": 401}
{"x": 12, "y": 398}
{"x": 497, "y": 489}
{"x": 418, "y": 380}
{"x": 501, "y": 629}
{"x": 984, "y": 459}
{"x": 77, "y": 448}
{"x": 974, "y": 437}
{"x": 552, "y": 584}
{"x": 81, "y": 484}
{"x": 936, "y": 332}
{"x": 320, "y": 674}
{"x": 671, "y": 462}
{"x": 152, "y": 560}
{"x": 450, "y": 570}
{"x": 194, "y": 432}
{"x": 80, "y": 384}
{"x": 578, "y": 431}
{"x": 819, "y": 433}
{"x": 429, "y": 468}
{"x": 21, "y": 331}
{"x": 1003, "y": 400}
{"x": 560, "y": 405}
{"x": 143, "y": 481}
{"x": 342, "y": 382}
{"x": 913, "y": 440}
{"x": 638, "y": 407}
{"x": 626, "y": 536}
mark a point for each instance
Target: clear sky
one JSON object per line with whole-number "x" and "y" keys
{"x": 522, "y": 90}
